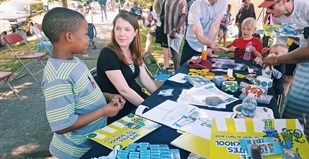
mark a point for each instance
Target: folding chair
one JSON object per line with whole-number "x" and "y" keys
{"x": 4, "y": 76}
{"x": 42, "y": 40}
{"x": 35, "y": 57}
{"x": 150, "y": 62}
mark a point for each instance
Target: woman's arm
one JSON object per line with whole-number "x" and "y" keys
{"x": 253, "y": 10}
{"x": 117, "y": 79}
{"x": 146, "y": 80}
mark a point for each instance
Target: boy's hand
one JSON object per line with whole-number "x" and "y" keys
{"x": 112, "y": 108}
{"x": 253, "y": 49}
{"x": 215, "y": 47}
{"x": 119, "y": 99}
{"x": 265, "y": 50}
{"x": 232, "y": 48}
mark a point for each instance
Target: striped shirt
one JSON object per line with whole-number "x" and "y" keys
{"x": 174, "y": 9}
{"x": 205, "y": 14}
{"x": 70, "y": 90}
{"x": 297, "y": 103}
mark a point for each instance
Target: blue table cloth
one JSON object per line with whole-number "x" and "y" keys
{"x": 165, "y": 135}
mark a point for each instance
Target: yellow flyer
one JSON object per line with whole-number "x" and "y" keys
{"x": 226, "y": 134}
{"x": 192, "y": 143}
{"x": 124, "y": 131}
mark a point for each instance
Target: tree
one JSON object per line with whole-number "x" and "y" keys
{"x": 64, "y": 3}
{"x": 143, "y": 3}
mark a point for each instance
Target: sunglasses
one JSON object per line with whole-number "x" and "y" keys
{"x": 272, "y": 6}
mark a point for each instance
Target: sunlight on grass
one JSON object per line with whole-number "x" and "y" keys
{"x": 7, "y": 59}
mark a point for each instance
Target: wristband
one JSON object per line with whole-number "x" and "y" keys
{"x": 238, "y": 75}
{"x": 192, "y": 74}
{"x": 231, "y": 86}
{"x": 231, "y": 78}
{"x": 193, "y": 70}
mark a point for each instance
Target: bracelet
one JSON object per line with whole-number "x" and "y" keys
{"x": 277, "y": 59}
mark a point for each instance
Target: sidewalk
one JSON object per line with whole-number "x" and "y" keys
{"x": 24, "y": 130}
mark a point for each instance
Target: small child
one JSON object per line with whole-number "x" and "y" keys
{"x": 238, "y": 46}
{"x": 276, "y": 50}
{"x": 75, "y": 105}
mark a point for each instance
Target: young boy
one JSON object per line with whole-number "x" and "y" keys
{"x": 75, "y": 106}
{"x": 238, "y": 46}
{"x": 276, "y": 50}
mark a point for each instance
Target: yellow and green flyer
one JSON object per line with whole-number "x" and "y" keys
{"x": 227, "y": 133}
{"x": 284, "y": 30}
{"x": 124, "y": 131}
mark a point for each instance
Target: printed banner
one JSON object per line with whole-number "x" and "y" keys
{"x": 227, "y": 133}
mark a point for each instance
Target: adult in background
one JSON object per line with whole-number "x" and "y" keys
{"x": 297, "y": 102}
{"x": 174, "y": 27}
{"x": 246, "y": 11}
{"x": 288, "y": 11}
{"x": 103, "y": 9}
{"x": 204, "y": 21}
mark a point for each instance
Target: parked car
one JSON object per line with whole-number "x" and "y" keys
{"x": 19, "y": 13}
{"x": 5, "y": 28}
{"x": 54, "y": 4}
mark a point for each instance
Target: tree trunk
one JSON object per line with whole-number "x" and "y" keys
{"x": 65, "y": 3}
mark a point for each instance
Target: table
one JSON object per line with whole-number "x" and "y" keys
{"x": 165, "y": 135}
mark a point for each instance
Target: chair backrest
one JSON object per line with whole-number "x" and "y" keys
{"x": 13, "y": 38}
{"x": 38, "y": 32}
{"x": 149, "y": 59}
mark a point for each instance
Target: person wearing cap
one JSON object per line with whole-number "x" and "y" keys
{"x": 204, "y": 20}
{"x": 295, "y": 12}
{"x": 288, "y": 11}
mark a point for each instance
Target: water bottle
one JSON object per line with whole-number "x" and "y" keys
{"x": 247, "y": 55}
{"x": 248, "y": 107}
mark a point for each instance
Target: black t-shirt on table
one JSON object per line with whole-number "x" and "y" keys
{"x": 108, "y": 60}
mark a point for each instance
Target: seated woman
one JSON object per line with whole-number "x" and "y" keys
{"x": 120, "y": 63}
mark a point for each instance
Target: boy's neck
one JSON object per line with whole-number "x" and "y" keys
{"x": 57, "y": 54}
{"x": 248, "y": 38}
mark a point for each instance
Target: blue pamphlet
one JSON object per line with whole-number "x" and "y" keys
{"x": 267, "y": 145}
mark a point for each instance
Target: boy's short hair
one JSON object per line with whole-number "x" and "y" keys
{"x": 249, "y": 21}
{"x": 280, "y": 49}
{"x": 60, "y": 20}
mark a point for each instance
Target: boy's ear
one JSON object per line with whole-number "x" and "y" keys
{"x": 68, "y": 37}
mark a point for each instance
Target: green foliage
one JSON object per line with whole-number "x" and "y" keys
{"x": 145, "y": 4}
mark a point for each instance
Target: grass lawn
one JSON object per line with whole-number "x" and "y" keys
{"x": 9, "y": 63}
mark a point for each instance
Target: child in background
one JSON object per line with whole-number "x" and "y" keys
{"x": 151, "y": 22}
{"x": 276, "y": 50}
{"x": 238, "y": 46}
{"x": 75, "y": 105}
{"x": 226, "y": 20}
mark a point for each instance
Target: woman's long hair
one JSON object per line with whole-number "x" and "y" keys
{"x": 135, "y": 46}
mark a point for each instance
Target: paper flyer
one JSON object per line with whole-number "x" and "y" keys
{"x": 182, "y": 116}
{"x": 124, "y": 131}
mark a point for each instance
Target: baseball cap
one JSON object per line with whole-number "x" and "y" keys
{"x": 267, "y": 3}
